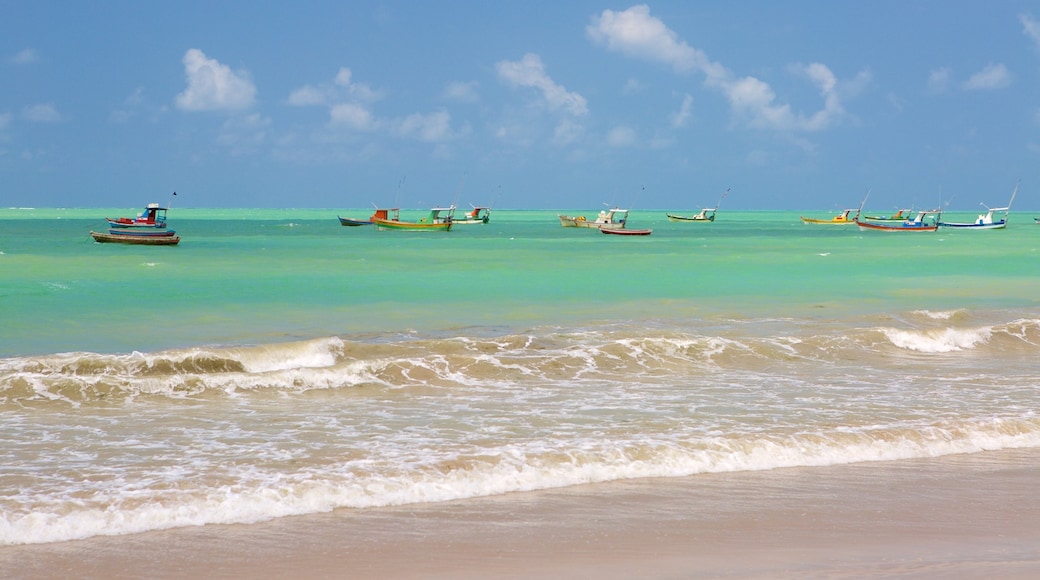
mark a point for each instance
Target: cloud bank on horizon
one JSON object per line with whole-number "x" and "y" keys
{"x": 641, "y": 100}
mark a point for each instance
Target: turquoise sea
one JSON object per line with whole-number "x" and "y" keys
{"x": 276, "y": 363}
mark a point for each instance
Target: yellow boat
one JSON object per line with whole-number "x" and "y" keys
{"x": 842, "y": 219}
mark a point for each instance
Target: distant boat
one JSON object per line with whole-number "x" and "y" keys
{"x": 626, "y": 232}
{"x": 706, "y": 215}
{"x": 136, "y": 238}
{"x": 439, "y": 219}
{"x": 478, "y": 215}
{"x": 985, "y": 220}
{"x": 141, "y": 232}
{"x": 841, "y": 219}
{"x": 353, "y": 222}
{"x": 613, "y": 219}
{"x": 924, "y": 221}
{"x": 899, "y": 216}
{"x": 153, "y": 216}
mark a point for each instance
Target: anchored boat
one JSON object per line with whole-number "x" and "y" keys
{"x": 613, "y": 219}
{"x": 985, "y": 221}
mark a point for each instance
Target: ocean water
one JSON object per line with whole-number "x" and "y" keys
{"x": 276, "y": 363}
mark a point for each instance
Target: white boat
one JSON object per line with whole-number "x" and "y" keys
{"x": 613, "y": 219}
{"x": 985, "y": 221}
{"x": 478, "y": 215}
{"x": 706, "y": 215}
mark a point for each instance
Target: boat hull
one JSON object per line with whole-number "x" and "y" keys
{"x": 103, "y": 238}
{"x": 828, "y": 222}
{"x": 965, "y": 226}
{"x": 867, "y": 226}
{"x": 680, "y": 218}
{"x": 127, "y": 233}
{"x": 624, "y": 232}
{"x": 581, "y": 222}
{"x": 353, "y": 222}
{"x": 130, "y": 225}
{"x": 411, "y": 226}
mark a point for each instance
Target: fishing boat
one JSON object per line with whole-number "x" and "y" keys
{"x": 135, "y": 238}
{"x": 841, "y": 219}
{"x": 985, "y": 220}
{"x": 439, "y": 219}
{"x": 900, "y": 216}
{"x": 924, "y": 221}
{"x": 706, "y": 215}
{"x": 478, "y": 215}
{"x": 613, "y": 219}
{"x": 141, "y": 232}
{"x": 153, "y": 216}
{"x": 353, "y": 222}
{"x": 626, "y": 232}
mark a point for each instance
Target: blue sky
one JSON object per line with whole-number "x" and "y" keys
{"x": 793, "y": 105}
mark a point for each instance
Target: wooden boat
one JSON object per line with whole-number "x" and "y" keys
{"x": 924, "y": 221}
{"x": 626, "y": 232}
{"x": 841, "y": 219}
{"x": 143, "y": 240}
{"x": 706, "y": 215}
{"x": 353, "y": 222}
{"x": 141, "y": 232}
{"x": 439, "y": 219}
{"x": 613, "y": 219}
{"x": 153, "y": 216}
{"x": 478, "y": 215}
{"x": 985, "y": 220}
{"x": 900, "y": 216}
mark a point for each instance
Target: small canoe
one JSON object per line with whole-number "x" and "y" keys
{"x": 103, "y": 238}
{"x": 353, "y": 222}
{"x": 624, "y": 232}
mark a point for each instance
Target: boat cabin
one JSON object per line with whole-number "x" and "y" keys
{"x": 439, "y": 215}
{"x": 390, "y": 214}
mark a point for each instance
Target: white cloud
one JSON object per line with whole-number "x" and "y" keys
{"x": 634, "y": 32}
{"x": 341, "y": 88}
{"x": 461, "y": 92}
{"x": 5, "y": 120}
{"x": 308, "y": 95}
{"x": 939, "y": 80}
{"x": 529, "y": 72}
{"x": 244, "y": 134}
{"x": 44, "y": 113}
{"x": 567, "y": 131}
{"x": 353, "y": 116}
{"x": 1031, "y": 28}
{"x": 682, "y": 116}
{"x": 25, "y": 56}
{"x": 994, "y": 76}
{"x": 433, "y": 127}
{"x": 621, "y": 137}
{"x": 213, "y": 86}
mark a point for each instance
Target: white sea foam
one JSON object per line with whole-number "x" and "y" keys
{"x": 451, "y": 475}
{"x": 938, "y": 339}
{"x": 307, "y": 354}
{"x": 939, "y": 314}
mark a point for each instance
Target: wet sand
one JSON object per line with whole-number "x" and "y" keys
{"x": 967, "y": 516}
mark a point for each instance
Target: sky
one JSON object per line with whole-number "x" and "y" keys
{"x": 526, "y": 105}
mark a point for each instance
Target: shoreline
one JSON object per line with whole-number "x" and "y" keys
{"x": 961, "y": 516}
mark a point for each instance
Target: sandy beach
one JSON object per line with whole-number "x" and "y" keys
{"x": 965, "y": 516}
